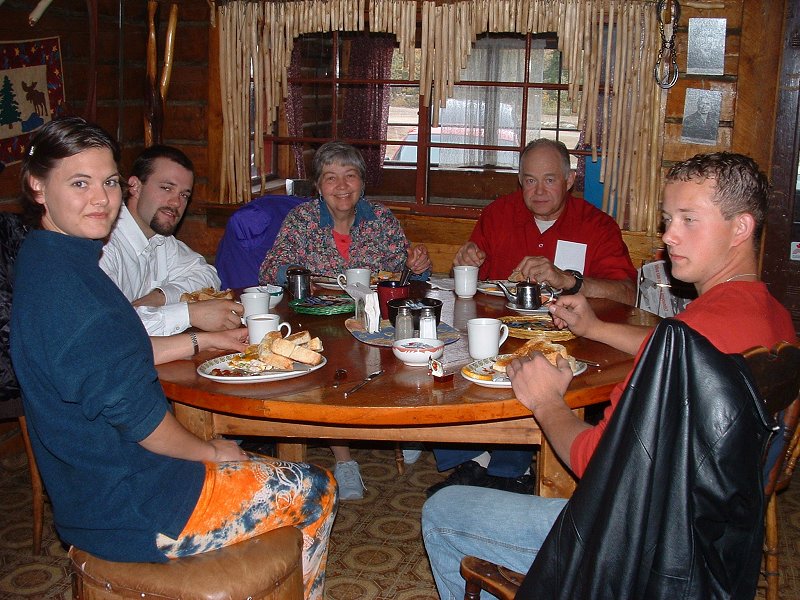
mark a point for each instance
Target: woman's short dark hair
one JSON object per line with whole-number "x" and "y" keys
{"x": 56, "y": 140}
{"x": 337, "y": 152}
{"x": 740, "y": 186}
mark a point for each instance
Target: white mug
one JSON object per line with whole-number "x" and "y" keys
{"x": 485, "y": 336}
{"x": 254, "y": 303}
{"x": 351, "y": 276}
{"x": 466, "y": 277}
{"x": 260, "y": 325}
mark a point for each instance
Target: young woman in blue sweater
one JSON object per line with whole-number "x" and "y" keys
{"x": 126, "y": 480}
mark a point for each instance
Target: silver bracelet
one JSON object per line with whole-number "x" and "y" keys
{"x": 193, "y": 336}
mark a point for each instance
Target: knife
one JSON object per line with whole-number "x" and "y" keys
{"x": 366, "y": 380}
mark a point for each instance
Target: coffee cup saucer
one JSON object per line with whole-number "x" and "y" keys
{"x": 527, "y": 311}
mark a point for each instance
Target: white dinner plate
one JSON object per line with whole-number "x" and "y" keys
{"x": 221, "y": 362}
{"x": 500, "y": 380}
{"x": 527, "y": 311}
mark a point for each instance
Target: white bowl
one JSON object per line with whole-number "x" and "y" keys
{"x": 415, "y": 352}
{"x": 275, "y": 292}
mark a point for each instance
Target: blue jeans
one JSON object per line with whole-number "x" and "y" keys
{"x": 502, "y": 527}
{"x": 504, "y": 463}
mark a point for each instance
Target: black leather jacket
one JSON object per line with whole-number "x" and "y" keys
{"x": 671, "y": 506}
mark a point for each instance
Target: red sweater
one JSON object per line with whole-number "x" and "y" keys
{"x": 734, "y": 316}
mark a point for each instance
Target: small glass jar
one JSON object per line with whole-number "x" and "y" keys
{"x": 427, "y": 324}
{"x": 403, "y": 324}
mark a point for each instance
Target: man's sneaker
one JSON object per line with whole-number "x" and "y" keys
{"x": 468, "y": 473}
{"x": 351, "y": 486}
{"x": 411, "y": 453}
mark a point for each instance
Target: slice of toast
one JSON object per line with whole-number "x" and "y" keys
{"x": 276, "y": 361}
{"x": 265, "y": 346}
{"x": 550, "y": 350}
{"x": 316, "y": 345}
{"x": 301, "y": 337}
{"x": 300, "y": 354}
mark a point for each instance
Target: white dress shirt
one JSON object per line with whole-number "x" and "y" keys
{"x": 138, "y": 266}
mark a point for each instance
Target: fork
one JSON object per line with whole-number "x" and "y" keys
{"x": 366, "y": 380}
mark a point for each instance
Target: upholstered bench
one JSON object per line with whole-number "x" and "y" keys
{"x": 266, "y": 567}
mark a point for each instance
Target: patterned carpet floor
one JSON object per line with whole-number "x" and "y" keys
{"x": 376, "y": 550}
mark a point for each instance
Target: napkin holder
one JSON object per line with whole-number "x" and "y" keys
{"x": 367, "y": 308}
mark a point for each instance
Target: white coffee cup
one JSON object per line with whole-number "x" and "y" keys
{"x": 351, "y": 276}
{"x": 485, "y": 336}
{"x": 254, "y": 303}
{"x": 466, "y": 277}
{"x": 261, "y": 324}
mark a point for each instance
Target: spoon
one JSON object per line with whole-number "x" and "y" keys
{"x": 366, "y": 380}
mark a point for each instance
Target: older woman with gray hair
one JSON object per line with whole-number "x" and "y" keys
{"x": 342, "y": 229}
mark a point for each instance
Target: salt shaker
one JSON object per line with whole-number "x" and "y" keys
{"x": 427, "y": 324}
{"x": 403, "y": 324}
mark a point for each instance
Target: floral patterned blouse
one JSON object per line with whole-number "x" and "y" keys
{"x": 306, "y": 238}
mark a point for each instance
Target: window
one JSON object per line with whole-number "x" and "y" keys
{"x": 354, "y": 86}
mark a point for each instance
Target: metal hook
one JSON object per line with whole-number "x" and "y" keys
{"x": 665, "y": 70}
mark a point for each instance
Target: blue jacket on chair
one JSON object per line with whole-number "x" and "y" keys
{"x": 248, "y": 236}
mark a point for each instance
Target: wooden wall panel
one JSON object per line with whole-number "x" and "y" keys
{"x": 762, "y": 27}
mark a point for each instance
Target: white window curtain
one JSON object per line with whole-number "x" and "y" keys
{"x": 491, "y": 115}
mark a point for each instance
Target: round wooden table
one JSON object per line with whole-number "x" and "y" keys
{"x": 403, "y": 404}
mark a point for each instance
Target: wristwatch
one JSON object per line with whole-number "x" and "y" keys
{"x": 578, "y": 282}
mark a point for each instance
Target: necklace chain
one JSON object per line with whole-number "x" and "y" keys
{"x": 740, "y": 275}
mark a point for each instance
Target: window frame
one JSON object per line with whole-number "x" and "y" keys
{"x": 490, "y": 182}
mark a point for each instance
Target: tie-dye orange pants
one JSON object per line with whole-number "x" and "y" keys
{"x": 240, "y": 500}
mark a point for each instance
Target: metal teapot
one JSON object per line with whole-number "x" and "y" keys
{"x": 529, "y": 294}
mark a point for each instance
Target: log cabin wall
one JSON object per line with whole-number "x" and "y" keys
{"x": 121, "y": 52}
{"x": 192, "y": 119}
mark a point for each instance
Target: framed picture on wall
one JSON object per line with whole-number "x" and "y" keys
{"x": 705, "y": 54}
{"x": 701, "y": 116}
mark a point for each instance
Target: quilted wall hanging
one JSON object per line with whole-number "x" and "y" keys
{"x": 31, "y": 92}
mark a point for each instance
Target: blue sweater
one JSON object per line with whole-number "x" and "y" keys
{"x": 91, "y": 393}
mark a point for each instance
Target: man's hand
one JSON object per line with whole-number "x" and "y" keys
{"x": 227, "y": 450}
{"x": 540, "y": 386}
{"x": 418, "y": 260}
{"x": 574, "y": 312}
{"x": 538, "y": 383}
{"x": 234, "y": 340}
{"x": 539, "y": 269}
{"x": 215, "y": 315}
{"x": 469, "y": 254}
{"x": 153, "y": 298}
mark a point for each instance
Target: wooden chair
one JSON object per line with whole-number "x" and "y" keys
{"x": 265, "y": 567}
{"x": 777, "y": 374}
{"x": 12, "y": 232}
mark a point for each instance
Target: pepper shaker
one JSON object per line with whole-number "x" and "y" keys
{"x": 403, "y": 324}
{"x": 427, "y": 324}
